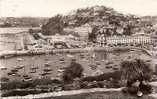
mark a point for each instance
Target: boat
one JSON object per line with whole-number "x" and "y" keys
{"x": 108, "y": 67}
{"x": 47, "y": 69}
{"x": 15, "y": 74}
{"x": 20, "y": 59}
{"x": 93, "y": 56}
{"x": 61, "y": 59}
{"x": 25, "y": 76}
{"x": 59, "y": 74}
{"x": 11, "y": 73}
{"x": 115, "y": 68}
{"x": 19, "y": 67}
{"x": 3, "y": 68}
{"x": 34, "y": 68}
{"x": 14, "y": 70}
{"x": 68, "y": 55}
{"x": 27, "y": 79}
{"x": 34, "y": 71}
{"x": 60, "y": 70}
{"x": 45, "y": 73}
{"x": 47, "y": 65}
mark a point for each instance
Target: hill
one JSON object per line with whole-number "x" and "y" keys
{"x": 22, "y": 21}
{"x": 100, "y": 19}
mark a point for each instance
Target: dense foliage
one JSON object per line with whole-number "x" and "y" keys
{"x": 92, "y": 36}
{"x": 138, "y": 74}
{"x": 95, "y": 16}
{"x": 136, "y": 70}
{"x": 53, "y": 26}
{"x": 74, "y": 70}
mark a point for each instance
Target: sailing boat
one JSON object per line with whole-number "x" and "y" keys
{"x": 33, "y": 69}
{"x": 26, "y": 77}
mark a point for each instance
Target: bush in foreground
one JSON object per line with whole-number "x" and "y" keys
{"x": 74, "y": 70}
{"x": 138, "y": 74}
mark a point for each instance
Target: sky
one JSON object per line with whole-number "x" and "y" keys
{"x": 49, "y": 8}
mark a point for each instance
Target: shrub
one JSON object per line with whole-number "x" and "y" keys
{"x": 111, "y": 83}
{"x": 73, "y": 71}
{"x": 105, "y": 76}
{"x": 137, "y": 71}
{"x": 4, "y": 79}
{"x": 53, "y": 26}
{"x": 15, "y": 85}
{"x": 20, "y": 93}
{"x": 29, "y": 84}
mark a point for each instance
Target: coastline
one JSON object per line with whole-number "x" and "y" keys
{"x": 6, "y": 54}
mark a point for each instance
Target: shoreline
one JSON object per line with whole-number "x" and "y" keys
{"x": 30, "y": 53}
{"x": 8, "y": 54}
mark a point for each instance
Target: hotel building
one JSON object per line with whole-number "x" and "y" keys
{"x": 126, "y": 40}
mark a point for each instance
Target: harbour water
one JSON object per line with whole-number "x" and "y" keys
{"x": 100, "y": 60}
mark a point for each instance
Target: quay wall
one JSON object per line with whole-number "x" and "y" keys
{"x": 40, "y": 52}
{"x": 76, "y": 50}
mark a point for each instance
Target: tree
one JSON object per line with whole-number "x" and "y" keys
{"x": 128, "y": 30}
{"x": 137, "y": 71}
{"x": 92, "y": 36}
{"x": 74, "y": 70}
{"x": 53, "y": 26}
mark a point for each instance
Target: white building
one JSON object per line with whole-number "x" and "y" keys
{"x": 82, "y": 31}
{"x": 60, "y": 38}
{"x": 122, "y": 40}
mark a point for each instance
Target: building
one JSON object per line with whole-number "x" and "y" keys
{"x": 101, "y": 39}
{"x": 60, "y": 38}
{"x": 82, "y": 31}
{"x": 126, "y": 40}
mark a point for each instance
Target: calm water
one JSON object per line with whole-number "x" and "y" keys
{"x": 87, "y": 60}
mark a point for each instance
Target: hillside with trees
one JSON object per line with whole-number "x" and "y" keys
{"x": 54, "y": 25}
{"x": 97, "y": 16}
{"x": 101, "y": 20}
